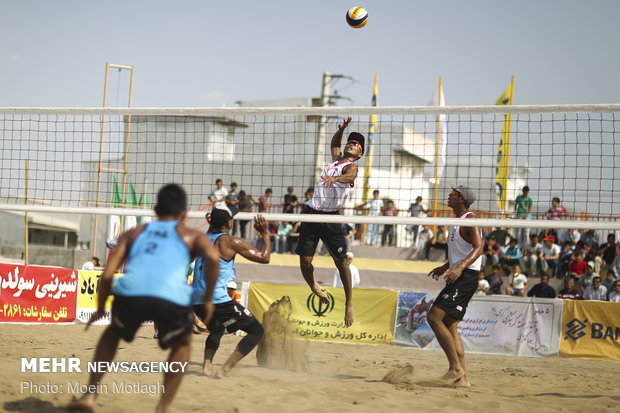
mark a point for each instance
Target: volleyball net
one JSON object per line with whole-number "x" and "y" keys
{"x": 112, "y": 161}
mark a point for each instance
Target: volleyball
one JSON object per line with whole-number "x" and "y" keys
{"x": 357, "y": 17}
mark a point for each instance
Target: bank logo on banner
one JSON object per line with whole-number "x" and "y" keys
{"x": 575, "y": 329}
{"x": 315, "y": 306}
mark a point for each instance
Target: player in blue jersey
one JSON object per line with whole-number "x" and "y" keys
{"x": 229, "y": 315}
{"x": 154, "y": 287}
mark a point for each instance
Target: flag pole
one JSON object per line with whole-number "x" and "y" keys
{"x": 437, "y": 151}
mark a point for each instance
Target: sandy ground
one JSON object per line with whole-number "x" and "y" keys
{"x": 339, "y": 377}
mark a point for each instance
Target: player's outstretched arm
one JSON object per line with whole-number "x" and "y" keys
{"x": 264, "y": 255}
{"x": 337, "y": 138}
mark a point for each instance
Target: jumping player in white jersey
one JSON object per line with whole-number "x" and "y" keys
{"x": 461, "y": 274}
{"x": 329, "y": 196}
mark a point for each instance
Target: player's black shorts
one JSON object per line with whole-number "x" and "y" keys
{"x": 453, "y": 299}
{"x": 173, "y": 321}
{"x": 330, "y": 234}
{"x": 230, "y": 316}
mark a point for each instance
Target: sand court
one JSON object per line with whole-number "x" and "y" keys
{"x": 337, "y": 377}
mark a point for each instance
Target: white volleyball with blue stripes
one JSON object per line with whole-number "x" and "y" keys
{"x": 357, "y": 17}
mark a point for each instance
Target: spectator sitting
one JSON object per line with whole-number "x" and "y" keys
{"x": 615, "y": 264}
{"x": 609, "y": 281}
{"x": 594, "y": 254}
{"x": 495, "y": 281}
{"x": 483, "y": 285}
{"x": 355, "y": 273}
{"x": 90, "y": 265}
{"x": 614, "y": 296}
{"x": 419, "y": 247}
{"x": 542, "y": 289}
{"x": 570, "y": 292}
{"x": 589, "y": 238}
{"x": 578, "y": 265}
{"x": 529, "y": 258}
{"x": 549, "y": 256}
{"x": 566, "y": 258}
{"x": 546, "y": 232}
{"x": 490, "y": 252}
{"x": 510, "y": 256}
{"x": 439, "y": 241}
{"x": 595, "y": 291}
{"x": 518, "y": 283}
{"x": 608, "y": 251}
{"x": 501, "y": 236}
{"x": 587, "y": 278}
{"x": 281, "y": 237}
{"x": 571, "y": 236}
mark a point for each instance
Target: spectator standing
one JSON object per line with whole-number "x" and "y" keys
{"x": 388, "y": 229}
{"x": 501, "y": 236}
{"x": 263, "y": 202}
{"x": 595, "y": 291}
{"x": 290, "y": 201}
{"x": 355, "y": 273}
{"x": 349, "y": 234}
{"x": 495, "y": 281}
{"x": 569, "y": 292}
{"x": 219, "y": 194}
{"x": 307, "y": 196}
{"x": 415, "y": 210}
{"x": 523, "y": 208}
{"x": 232, "y": 201}
{"x": 91, "y": 264}
{"x": 557, "y": 211}
{"x": 518, "y": 282}
{"x": 245, "y": 205}
{"x": 375, "y": 206}
{"x": 614, "y": 296}
{"x": 542, "y": 289}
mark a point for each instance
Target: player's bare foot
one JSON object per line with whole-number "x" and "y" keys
{"x": 84, "y": 404}
{"x": 348, "y": 315}
{"x": 452, "y": 376}
{"x": 316, "y": 289}
{"x": 222, "y": 373}
{"x": 207, "y": 369}
{"x": 463, "y": 383}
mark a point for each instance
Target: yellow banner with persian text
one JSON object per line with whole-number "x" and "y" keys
{"x": 375, "y": 312}
{"x": 590, "y": 329}
{"x": 88, "y": 290}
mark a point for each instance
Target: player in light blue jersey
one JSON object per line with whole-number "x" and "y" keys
{"x": 154, "y": 287}
{"x": 229, "y": 315}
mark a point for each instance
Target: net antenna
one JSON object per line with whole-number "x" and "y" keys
{"x": 102, "y": 139}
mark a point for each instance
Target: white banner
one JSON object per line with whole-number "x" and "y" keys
{"x": 493, "y": 325}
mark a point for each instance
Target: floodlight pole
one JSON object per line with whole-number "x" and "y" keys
{"x": 101, "y": 168}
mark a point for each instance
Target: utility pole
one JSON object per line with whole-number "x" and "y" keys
{"x": 326, "y": 100}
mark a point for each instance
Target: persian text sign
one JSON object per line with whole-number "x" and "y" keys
{"x": 87, "y": 297}
{"x": 510, "y": 325}
{"x": 591, "y": 329}
{"x": 374, "y": 312}
{"x": 35, "y": 294}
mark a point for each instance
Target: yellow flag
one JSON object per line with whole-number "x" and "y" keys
{"x": 372, "y": 127}
{"x": 503, "y": 150}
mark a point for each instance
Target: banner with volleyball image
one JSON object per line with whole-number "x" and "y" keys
{"x": 312, "y": 320}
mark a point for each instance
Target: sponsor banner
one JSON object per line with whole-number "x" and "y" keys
{"x": 591, "y": 329}
{"x": 374, "y": 312}
{"x": 492, "y": 325}
{"x": 35, "y": 294}
{"x": 87, "y": 297}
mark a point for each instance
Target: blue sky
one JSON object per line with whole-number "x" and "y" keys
{"x": 206, "y": 53}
